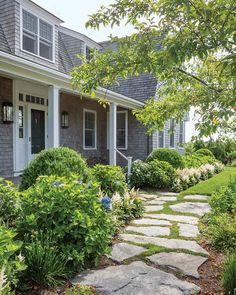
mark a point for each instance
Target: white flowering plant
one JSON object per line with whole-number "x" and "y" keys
{"x": 188, "y": 177}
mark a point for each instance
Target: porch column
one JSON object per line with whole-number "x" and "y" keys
{"x": 112, "y": 124}
{"x": 53, "y": 116}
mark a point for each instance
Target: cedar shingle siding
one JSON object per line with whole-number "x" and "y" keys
{"x": 6, "y": 131}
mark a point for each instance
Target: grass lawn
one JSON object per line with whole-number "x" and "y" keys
{"x": 208, "y": 186}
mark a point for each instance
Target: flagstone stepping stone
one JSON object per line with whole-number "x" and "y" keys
{"x": 151, "y": 231}
{"x": 176, "y": 218}
{"x": 196, "y": 197}
{"x": 194, "y": 208}
{"x": 186, "y": 263}
{"x": 124, "y": 251}
{"x": 147, "y": 196}
{"x": 154, "y": 202}
{"x": 146, "y": 221}
{"x": 153, "y": 208}
{"x": 136, "y": 278}
{"x": 169, "y": 194}
{"x": 188, "y": 230}
{"x": 167, "y": 198}
{"x": 164, "y": 242}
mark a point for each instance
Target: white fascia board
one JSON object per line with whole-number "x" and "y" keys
{"x": 14, "y": 66}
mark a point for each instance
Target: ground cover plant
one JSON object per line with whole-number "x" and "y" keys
{"x": 60, "y": 161}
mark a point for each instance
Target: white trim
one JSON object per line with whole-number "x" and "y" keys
{"x": 172, "y": 134}
{"x": 37, "y": 34}
{"x": 15, "y": 66}
{"x": 95, "y": 127}
{"x": 126, "y": 130}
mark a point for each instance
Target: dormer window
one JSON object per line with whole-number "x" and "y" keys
{"x": 37, "y": 36}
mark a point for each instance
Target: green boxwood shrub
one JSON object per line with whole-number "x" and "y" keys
{"x": 72, "y": 212}
{"x": 162, "y": 174}
{"x": 204, "y": 152}
{"x": 156, "y": 174}
{"x": 197, "y": 160}
{"x": 111, "y": 179}
{"x": 60, "y": 161}
{"x": 169, "y": 155}
{"x": 9, "y": 202}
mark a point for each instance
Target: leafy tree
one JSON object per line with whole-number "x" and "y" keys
{"x": 188, "y": 45}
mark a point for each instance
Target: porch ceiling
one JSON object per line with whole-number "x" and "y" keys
{"x": 16, "y": 67}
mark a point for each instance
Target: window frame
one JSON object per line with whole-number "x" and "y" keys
{"x": 172, "y": 134}
{"x": 181, "y": 133}
{"x": 126, "y": 130}
{"x": 95, "y": 130}
{"x": 158, "y": 139}
{"x": 38, "y": 37}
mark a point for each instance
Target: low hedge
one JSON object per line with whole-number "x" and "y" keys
{"x": 60, "y": 161}
{"x": 204, "y": 152}
{"x": 168, "y": 155}
{"x": 155, "y": 174}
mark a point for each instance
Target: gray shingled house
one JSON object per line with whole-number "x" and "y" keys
{"x": 39, "y": 109}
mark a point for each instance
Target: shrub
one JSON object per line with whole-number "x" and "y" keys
{"x": 224, "y": 199}
{"x": 9, "y": 202}
{"x": 221, "y": 231}
{"x": 204, "y": 152}
{"x": 46, "y": 266}
{"x": 169, "y": 155}
{"x": 229, "y": 275}
{"x": 197, "y": 160}
{"x": 111, "y": 179}
{"x": 60, "y": 161}
{"x": 162, "y": 174}
{"x": 11, "y": 264}
{"x": 140, "y": 174}
{"x": 72, "y": 212}
{"x": 126, "y": 208}
{"x": 231, "y": 156}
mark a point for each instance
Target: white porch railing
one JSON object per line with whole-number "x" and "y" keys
{"x": 129, "y": 161}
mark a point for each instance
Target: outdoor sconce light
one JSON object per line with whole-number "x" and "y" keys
{"x": 64, "y": 120}
{"x": 7, "y": 111}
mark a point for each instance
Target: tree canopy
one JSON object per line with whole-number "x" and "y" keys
{"x": 188, "y": 45}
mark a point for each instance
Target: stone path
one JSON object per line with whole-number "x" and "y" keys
{"x": 171, "y": 238}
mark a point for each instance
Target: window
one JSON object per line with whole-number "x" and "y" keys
{"x": 181, "y": 132}
{"x": 37, "y": 36}
{"x": 160, "y": 139}
{"x": 88, "y": 53}
{"x": 122, "y": 130}
{"x": 21, "y": 122}
{"x": 90, "y": 129}
{"x": 172, "y": 134}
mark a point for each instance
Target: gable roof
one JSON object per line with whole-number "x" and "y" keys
{"x": 4, "y": 46}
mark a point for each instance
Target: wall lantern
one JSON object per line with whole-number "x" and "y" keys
{"x": 7, "y": 111}
{"x": 64, "y": 120}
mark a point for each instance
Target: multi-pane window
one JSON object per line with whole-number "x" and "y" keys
{"x": 21, "y": 121}
{"x": 172, "y": 134}
{"x": 88, "y": 53}
{"x": 160, "y": 139}
{"x": 37, "y": 36}
{"x": 181, "y": 132}
{"x": 90, "y": 129}
{"x": 122, "y": 130}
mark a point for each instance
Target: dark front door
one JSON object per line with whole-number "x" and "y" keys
{"x": 37, "y": 131}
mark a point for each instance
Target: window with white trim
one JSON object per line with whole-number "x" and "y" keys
{"x": 160, "y": 139}
{"x": 37, "y": 36}
{"x": 181, "y": 132}
{"x": 172, "y": 134}
{"x": 90, "y": 129}
{"x": 122, "y": 130}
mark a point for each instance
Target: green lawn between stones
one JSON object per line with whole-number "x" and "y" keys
{"x": 208, "y": 186}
